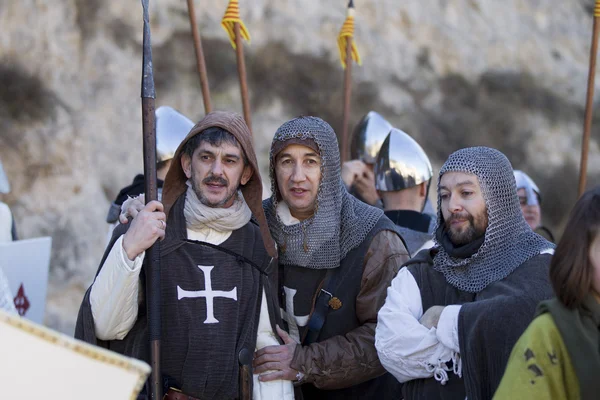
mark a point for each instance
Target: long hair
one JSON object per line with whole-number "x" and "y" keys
{"x": 571, "y": 270}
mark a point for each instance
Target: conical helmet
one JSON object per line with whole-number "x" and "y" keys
{"x": 368, "y": 137}
{"x": 401, "y": 163}
{"x": 4, "y": 185}
{"x": 171, "y": 128}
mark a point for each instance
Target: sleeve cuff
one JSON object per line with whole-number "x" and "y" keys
{"x": 447, "y": 329}
{"x": 132, "y": 265}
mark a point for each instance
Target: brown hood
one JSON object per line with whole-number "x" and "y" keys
{"x": 232, "y": 122}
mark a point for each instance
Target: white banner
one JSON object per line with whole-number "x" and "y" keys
{"x": 38, "y": 363}
{"x": 25, "y": 264}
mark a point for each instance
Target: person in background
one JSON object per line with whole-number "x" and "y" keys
{"x": 558, "y": 356}
{"x": 402, "y": 178}
{"x": 531, "y": 200}
{"x": 357, "y": 173}
{"x": 171, "y": 128}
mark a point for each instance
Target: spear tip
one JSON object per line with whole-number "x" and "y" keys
{"x": 351, "y": 4}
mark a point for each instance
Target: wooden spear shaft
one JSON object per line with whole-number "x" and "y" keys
{"x": 589, "y": 104}
{"x": 241, "y": 64}
{"x": 200, "y": 61}
{"x": 347, "y": 95}
{"x": 153, "y": 302}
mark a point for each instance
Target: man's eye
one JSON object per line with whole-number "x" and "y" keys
{"x": 205, "y": 157}
{"x": 310, "y": 161}
{"x": 466, "y": 194}
{"x": 444, "y": 196}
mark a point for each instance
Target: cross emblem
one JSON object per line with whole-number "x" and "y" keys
{"x": 21, "y": 301}
{"x": 292, "y": 320}
{"x": 207, "y": 293}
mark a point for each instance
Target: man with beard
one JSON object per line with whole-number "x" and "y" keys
{"x": 337, "y": 256}
{"x": 453, "y": 314}
{"x": 215, "y": 268}
{"x": 402, "y": 178}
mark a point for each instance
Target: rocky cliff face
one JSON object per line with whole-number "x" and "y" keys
{"x": 452, "y": 73}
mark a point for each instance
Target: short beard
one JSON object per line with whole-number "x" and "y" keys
{"x": 473, "y": 231}
{"x": 211, "y": 178}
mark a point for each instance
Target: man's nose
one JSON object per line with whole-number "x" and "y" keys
{"x": 217, "y": 168}
{"x": 298, "y": 174}
{"x": 454, "y": 204}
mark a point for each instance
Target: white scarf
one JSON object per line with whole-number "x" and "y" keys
{"x": 199, "y": 216}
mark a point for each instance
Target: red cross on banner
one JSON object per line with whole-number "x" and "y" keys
{"x": 21, "y": 301}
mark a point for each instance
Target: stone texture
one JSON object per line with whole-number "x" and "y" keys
{"x": 453, "y": 73}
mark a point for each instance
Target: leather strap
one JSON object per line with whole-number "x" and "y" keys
{"x": 317, "y": 319}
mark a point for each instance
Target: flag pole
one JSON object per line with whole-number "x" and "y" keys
{"x": 589, "y": 101}
{"x": 151, "y": 190}
{"x": 236, "y": 30}
{"x": 347, "y": 96}
{"x": 200, "y": 61}
{"x": 241, "y": 64}
{"x": 348, "y": 54}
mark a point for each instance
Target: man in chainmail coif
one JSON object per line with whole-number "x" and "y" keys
{"x": 452, "y": 316}
{"x": 337, "y": 256}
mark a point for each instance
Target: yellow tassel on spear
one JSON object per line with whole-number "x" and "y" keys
{"x": 236, "y": 30}
{"x": 348, "y": 52}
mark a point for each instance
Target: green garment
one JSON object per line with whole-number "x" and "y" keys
{"x": 539, "y": 366}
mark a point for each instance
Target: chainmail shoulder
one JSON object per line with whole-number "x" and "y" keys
{"x": 509, "y": 241}
{"x": 340, "y": 222}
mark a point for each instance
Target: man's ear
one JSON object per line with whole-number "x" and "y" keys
{"x": 423, "y": 189}
{"x": 186, "y": 164}
{"x": 246, "y": 175}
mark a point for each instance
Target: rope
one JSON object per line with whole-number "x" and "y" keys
{"x": 232, "y": 15}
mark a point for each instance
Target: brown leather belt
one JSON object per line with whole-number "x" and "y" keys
{"x": 173, "y": 394}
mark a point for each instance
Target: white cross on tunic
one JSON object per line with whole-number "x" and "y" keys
{"x": 292, "y": 320}
{"x": 208, "y": 293}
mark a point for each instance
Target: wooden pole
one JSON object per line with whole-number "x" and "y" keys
{"x": 241, "y": 64}
{"x": 151, "y": 189}
{"x": 589, "y": 104}
{"x": 347, "y": 95}
{"x": 200, "y": 61}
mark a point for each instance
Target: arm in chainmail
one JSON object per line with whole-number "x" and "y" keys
{"x": 350, "y": 359}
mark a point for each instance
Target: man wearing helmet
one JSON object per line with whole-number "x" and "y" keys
{"x": 357, "y": 174}
{"x": 453, "y": 314}
{"x": 337, "y": 256}
{"x": 171, "y": 128}
{"x": 402, "y": 177}
{"x": 531, "y": 200}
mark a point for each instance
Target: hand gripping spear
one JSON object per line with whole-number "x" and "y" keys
{"x": 589, "y": 101}
{"x": 199, "y": 58}
{"x": 153, "y": 270}
{"x": 348, "y": 52}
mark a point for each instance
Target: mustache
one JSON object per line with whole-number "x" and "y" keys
{"x": 458, "y": 216}
{"x": 215, "y": 180}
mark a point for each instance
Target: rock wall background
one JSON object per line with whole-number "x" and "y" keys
{"x": 452, "y": 73}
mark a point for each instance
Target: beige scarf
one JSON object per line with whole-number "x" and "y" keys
{"x": 199, "y": 216}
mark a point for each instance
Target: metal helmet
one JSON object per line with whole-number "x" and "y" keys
{"x": 368, "y": 137}
{"x": 523, "y": 181}
{"x": 171, "y": 128}
{"x": 401, "y": 163}
{"x": 4, "y": 185}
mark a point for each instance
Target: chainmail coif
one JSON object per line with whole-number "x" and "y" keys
{"x": 340, "y": 223}
{"x": 508, "y": 242}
